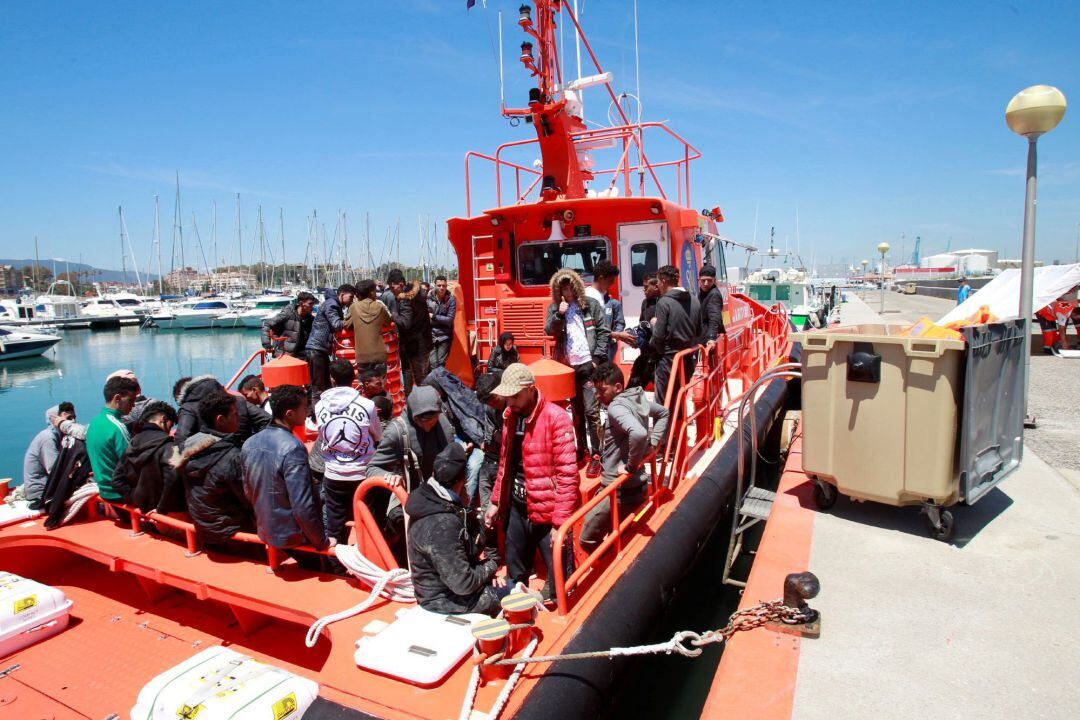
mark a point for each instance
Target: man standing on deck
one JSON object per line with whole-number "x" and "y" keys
{"x": 604, "y": 274}
{"x": 644, "y": 367}
{"x": 712, "y": 306}
{"x": 442, "y": 307}
{"x": 627, "y": 442}
{"x": 576, "y": 321}
{"x": 293, "y": 325}
{"x": 107, "y": 437}
{"x": 278, "y": 483}
{"x": 537, "y": 486}
{"x": 367, "y": 316}
{"x": 410, "y": 315}
{"x": 329, "y": 321}
{"x": 349, "y": 431}
{"x": 677, "y": 327}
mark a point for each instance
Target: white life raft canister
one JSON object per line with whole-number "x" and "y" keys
{"x": 29, "y": 612}
{"x": 222, "y": 684}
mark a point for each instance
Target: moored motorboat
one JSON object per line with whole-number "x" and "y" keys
{"x": 18, "y": 342}
{"x": 198, "y": 313}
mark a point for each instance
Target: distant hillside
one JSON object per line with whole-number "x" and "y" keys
{"x": 95, "y": 274}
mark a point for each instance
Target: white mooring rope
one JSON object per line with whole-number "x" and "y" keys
{"x": 394, "y": 585}
{"x": 80, "y": 497}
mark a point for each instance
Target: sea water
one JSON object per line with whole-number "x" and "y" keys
{"x": 76, "y": 368}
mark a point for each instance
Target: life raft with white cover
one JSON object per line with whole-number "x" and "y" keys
{"x": 29, "y": 612}
{"x": 221, "y": 684}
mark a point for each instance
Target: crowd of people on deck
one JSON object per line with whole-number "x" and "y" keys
{"x": 470, "y": 460}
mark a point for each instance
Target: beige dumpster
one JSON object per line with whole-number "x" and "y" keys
{"x": 881, "y": 415}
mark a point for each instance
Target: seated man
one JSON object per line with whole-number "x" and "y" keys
{"x": 254, "y": 391}
{"x": 43, "y": 450}
{"x": 277, "y": 480}
{"x": 349, "y": 430}
{"x": 252, "y": 417}
{"x": 107, "y": 437}
{"x": 627, "y": 440}
{"x": 145, "y": 477}
{"x": 213, "y": 477}
{"x": 445, "y": 541}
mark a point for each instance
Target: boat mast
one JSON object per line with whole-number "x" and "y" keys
{"x": 37, "y": 261}
{"x": 134, "y": 261}
{"x": 281, "y": 226}
{"x": 239, "y": 240}
{"x": 213, "y": 237}
{"x": 262, "y": 250}
{"x": 157, "y": 242}
{"x": 123, "y": 251}
{"x": 178, "y": 226}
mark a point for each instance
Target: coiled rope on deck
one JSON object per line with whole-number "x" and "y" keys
{"x": 394, "y": 585}
{"x": 82, "y": 495}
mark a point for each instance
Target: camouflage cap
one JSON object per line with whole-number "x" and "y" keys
{"x": 515, "y": 378}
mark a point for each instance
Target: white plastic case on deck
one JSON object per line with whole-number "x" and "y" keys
{"x": 219, "y": 684}
{"x": 419, "y": 647}
{"x": 29, "y": 612}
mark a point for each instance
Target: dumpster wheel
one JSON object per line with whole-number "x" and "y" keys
{"x": 825, "y": 494}
{"x": 941, "y": 523}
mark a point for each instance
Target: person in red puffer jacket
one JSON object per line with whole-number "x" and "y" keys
{"x": 536, "y": 488}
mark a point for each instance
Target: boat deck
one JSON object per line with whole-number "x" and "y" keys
{"x": 912, "y": 627}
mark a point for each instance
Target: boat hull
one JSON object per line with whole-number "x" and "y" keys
{"x": 31, "y": 348}
{"x": 583, "y": 688}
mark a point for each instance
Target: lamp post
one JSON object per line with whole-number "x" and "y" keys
{"x": 1032, "y": 112}
{"x": 882, "y": 247}
{"x": 864, "y": 263}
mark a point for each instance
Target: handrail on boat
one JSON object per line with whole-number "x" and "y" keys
{"x": 676, "y": 455}
{"x": 260, "y": 354}
{"x": 370, "y": 540}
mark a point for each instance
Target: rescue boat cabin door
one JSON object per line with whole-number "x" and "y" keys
{"x": 643, "y": 248}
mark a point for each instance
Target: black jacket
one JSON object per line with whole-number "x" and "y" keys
{"x": 500, "y": 359}
{"x": 213, "y": 480}
{"x": 144, "y": 476}
{"x": 292, "y": 327}
{"x": 412, "y": 321}
{"x": 70, "y": 472}
{"x": 329, "y": 320}
{"x": 712, "y": 314}
{"x": 252, "y": 417}
{"x": 678, "y": 322}
{"x": 444, "y": 556}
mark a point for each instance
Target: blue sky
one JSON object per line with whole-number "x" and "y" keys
{"x": 878, "y": 120}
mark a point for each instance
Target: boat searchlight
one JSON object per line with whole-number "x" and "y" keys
{"x": 524, "y": 16}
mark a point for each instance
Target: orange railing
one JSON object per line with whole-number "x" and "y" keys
{"x": 755, "y": 349}
{"x": 259, "y": 355}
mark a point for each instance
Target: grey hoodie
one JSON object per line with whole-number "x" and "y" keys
{"x": 628, "y": 438}
{"x": 406, "y": 450}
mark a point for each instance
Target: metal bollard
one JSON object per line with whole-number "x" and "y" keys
{"x": 519, "y": 608}
{"x": 491, "y": 638}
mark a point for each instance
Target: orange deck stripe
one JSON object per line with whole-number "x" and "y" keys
{"x": 758, "y": 670}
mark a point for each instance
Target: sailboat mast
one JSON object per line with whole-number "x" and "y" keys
{"x": 179, "y": 222}
{"x": 157, "y": 242}
{"x": 281, "y": 226}
{"x": 213, "y": 237}
{"x": 123, "y": 251}
{"x": 262, "y": 250}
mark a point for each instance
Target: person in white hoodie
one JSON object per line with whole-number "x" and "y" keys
{"x": 349, "y": 432}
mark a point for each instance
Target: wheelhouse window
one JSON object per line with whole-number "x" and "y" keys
{"x": 538, "y": 261}
{"x": 211, "y": 306}
{"x": 128, "y": 302}
{"x": 644, "y": 260}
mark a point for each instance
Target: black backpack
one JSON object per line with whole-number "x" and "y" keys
{"x": 70, "y": 472}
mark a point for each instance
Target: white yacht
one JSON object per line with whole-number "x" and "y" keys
{"x": 104, "y": 311}
{"x": 264, "y": 309}
{"x": 18, "y": 342}
{"x": 194, "y": 313}
{"x": 59, "y": 303}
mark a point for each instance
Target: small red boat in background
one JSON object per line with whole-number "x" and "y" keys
{"x": 145, "y": 605}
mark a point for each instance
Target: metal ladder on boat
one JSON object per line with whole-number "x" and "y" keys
{"x": 753, "y": 504}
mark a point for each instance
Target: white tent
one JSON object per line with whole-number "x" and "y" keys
{"x": 1002, "y": 294}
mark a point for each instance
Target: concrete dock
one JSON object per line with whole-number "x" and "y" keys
{"x": 982, "y": 627}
